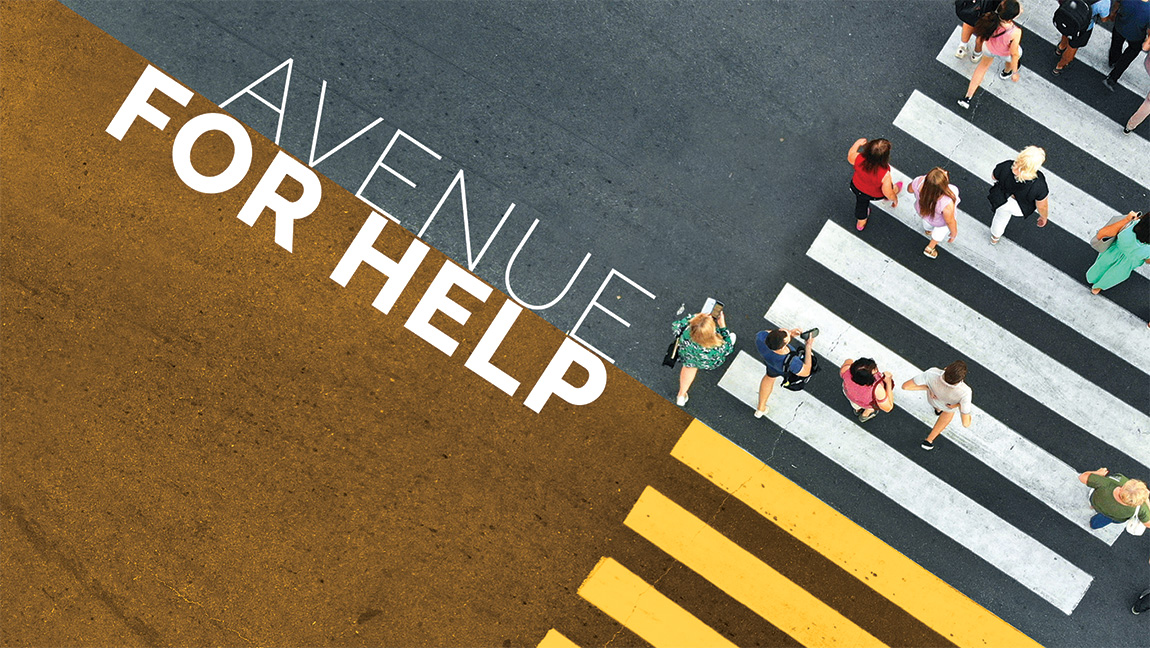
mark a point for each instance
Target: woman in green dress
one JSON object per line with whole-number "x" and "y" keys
{"x": 704, "y": 343}
{"x": 1131, "y": 248}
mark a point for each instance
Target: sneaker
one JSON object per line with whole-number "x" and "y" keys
{"x": 926, "y": 445}
{"x": 1005, "y": 74}
{"x": 976, "y": 57}
{"x": 964, "y": 102}
{"x": 960, "y": 52}
{"x": 1056, "y": 71}
{"x": 763, "y": 413}
{"x": 1109, "y": 83}
{"x": 681, "y": 400}
{"x": 1142, "y": 604}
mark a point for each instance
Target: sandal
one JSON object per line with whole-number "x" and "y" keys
{"x": 930, "y": 252}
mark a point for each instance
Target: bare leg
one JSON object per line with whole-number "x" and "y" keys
{"x": 979, "y": 73}
{"x": 967, "y": 31}
{"x": 940, "y": 425}
{"x": 686, "y": 377}
{"x": 1067, "y": 56}
{"x": 766, "y": 386}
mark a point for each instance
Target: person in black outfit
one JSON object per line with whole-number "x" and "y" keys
{"x": 1130, "y": 26}
{"x": 1019, "y": 190}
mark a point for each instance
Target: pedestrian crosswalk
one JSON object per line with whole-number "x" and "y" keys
{"x": 1036, "y": 476}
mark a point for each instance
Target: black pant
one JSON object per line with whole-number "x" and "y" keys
{"x": 1143, "y": 602}
{"x": 862, "y": 203}
{"x": 1122, "y": 59}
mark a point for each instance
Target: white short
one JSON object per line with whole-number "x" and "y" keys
{"x": 937, "y": 232}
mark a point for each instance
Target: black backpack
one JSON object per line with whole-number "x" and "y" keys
{"x": 1072, "y": 16}
{"x": 969, "y": 11}
{"x": 794, "y": 382}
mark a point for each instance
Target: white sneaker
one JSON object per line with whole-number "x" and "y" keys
{"x": 763, "y": 413}
{"x": 976, "y": 57}
{"x": 961, "y": 53}
{"x": 681, "y": 400}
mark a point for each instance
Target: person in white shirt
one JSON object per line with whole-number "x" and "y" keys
{"x": 945, "y": 391}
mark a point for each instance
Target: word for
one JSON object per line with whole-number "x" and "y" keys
{"x": 459, "y": 181}
{"x": 265, "y": 196}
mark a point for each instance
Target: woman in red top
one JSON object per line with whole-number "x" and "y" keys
{"x": 871, "y": 180}
{"x": 867, "y": 389}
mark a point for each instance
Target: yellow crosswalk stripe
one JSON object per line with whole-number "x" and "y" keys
{"x": 891, "y": 574}
{"x": 741, "y": 575}
{"x": 556, "y": 639}
{"x": 640, "y": 608}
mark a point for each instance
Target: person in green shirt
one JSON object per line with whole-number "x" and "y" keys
{"x": 704, "y": 343}
{"x": 1116, "y": 498}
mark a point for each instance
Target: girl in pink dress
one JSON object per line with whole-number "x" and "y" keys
{"x": 1000, "y": 37}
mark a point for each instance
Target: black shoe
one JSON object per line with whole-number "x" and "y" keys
{"x": 1056, "y": 71}
{"x": 926, "y": 445}
{"x": 1005, "y": 74}
{"x": 1059, "y": 50}
{"x": 937, "y": 413}
{"x": 1142, "y": 604}
{"x": 1127, "y": 130}
{"x": 1109, "y": 83}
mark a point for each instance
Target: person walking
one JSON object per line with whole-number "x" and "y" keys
{"x": 704, "y": 343}
{"x": 1000, "y": 37}
{"x": 946, "y": 390}
{"x": 1100, "y": 11}
{"x": 1130, "y": 249}
{"x": 871, "y": 180}
{"x": 935, "y": 203}
{"x": 1018, "y": 191}
{"x": 1143, "y": 110}
{"x": 867, "y": 389}
{"x": 774, "y": 348}
{"x": 1116, "y": 498}
{"x": 968, "y": 12}
{"x": 1130, "y": 26}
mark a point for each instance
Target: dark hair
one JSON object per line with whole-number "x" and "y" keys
{"x": 954, "y": 373}
{"x": 987, "y": 25}
{"x": 862, "y": 371}
{"x": 875, "y": 155}
{"x": 776, "y": 339}
{"x": 1142, "y": 228}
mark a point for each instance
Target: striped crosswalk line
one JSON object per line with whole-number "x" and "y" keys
{"x": 1062, "y": 113}
{"x": 741, "y": 575}
{"x": 556, "y": 639}
{"x": 854, "y": 549}
{"x": 909, "y": 485}
{"x": 1047, "y": 478}
{"x": 642, "y": 609}
{"x": 976, "y": 151}
{"x": 1064, "y": 298}
{"x": 1037, "y": 19}
{"x": 1064, "y": 391}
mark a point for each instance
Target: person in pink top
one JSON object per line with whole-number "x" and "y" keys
{"x": 935, "y": 202}
{"x": 867, "y": 390}
{"x": 999, "y": 37}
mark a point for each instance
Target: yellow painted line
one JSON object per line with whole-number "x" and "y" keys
{"x": 741, "y": 575}
{"x": 628, "y": 599}
{"x": 556, "y": 639}
{"x": 922, "y": 594}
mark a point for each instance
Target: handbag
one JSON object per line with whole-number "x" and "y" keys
{"x": 1134, "y": 526}
{"x": 672, "y": 356}
{"x": 1105, "y": 236}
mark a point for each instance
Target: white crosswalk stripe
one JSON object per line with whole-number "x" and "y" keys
{"x": 1065, "y": 298}
{"x": 934, "y": 501}
{"x": 1064, "y": 391}
{"x": 971, "y": 148}
{"x": 1062, "y": 113}
{"x": 1038, "y": 19}
{"x": 1047, "y": 478}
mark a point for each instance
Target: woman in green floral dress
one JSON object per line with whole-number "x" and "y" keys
{"x": 703, "y": 344}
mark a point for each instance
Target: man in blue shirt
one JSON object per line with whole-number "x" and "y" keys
{"x": 1129, "y": 31}
{"x": 1100, "y": 11}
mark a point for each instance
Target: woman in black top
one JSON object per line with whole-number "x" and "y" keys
{"x": 1019, "y": 190}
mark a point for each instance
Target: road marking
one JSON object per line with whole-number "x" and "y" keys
{"x": 1037, "y": 20}
{"x": 1060, "y": 112}
{"x": 976, "y": 151}
{"x": 740, "y": 574}
{"x": 556, "y": 639}
{"x": 891, "y": 574}
{"x": 640, "y": 608}
{"x": 1054, "y": 292}
{"x": 1064, "y": 391}
{"x": 960, "y": 518}
{"x": 1047, "y": 477}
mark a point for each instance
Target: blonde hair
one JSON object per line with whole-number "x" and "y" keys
{"x": 703, "y": 331}
{"x": 1133, "y": 492}
{"x": 1027, "y": 163}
